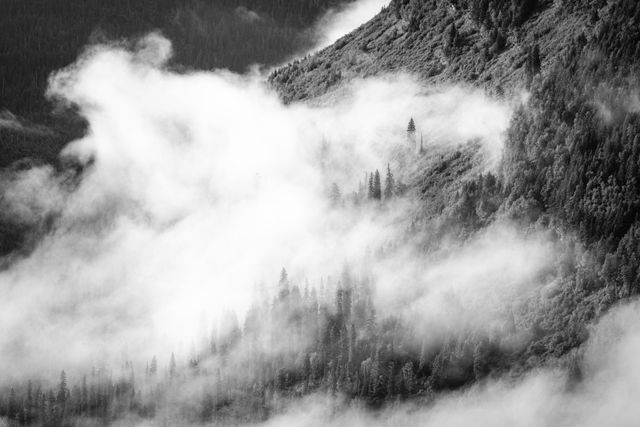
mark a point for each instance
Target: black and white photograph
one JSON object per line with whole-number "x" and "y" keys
{"x": 320, "y": 213}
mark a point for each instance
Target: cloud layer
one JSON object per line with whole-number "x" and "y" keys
{"x": 198, "y": 186}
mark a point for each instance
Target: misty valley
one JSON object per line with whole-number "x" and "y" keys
{"x": 320, "y": 213}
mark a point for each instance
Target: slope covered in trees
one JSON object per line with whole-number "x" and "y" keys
{"x": 569, "y": 169}
{"x": 570, "y": 163}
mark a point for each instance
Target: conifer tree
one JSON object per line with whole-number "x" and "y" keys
{"x": 335, "y": 195}
{"x": 62, "y": 388}
{"x": 377, "y": 190}
{"x": 370, "y": 191}
{"x": 411, "y": 134}
{"x": 411, "y": 128}
{"x": 154, "y": 366}
{"x": 389, "y": 185}
{"x": 172, "y": 366}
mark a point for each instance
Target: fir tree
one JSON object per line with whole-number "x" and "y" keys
{"x": 389, "y": 185}
{"x": 370, "y": 191}
{"x": 377, "y": 190}
{"x": 172, "y": 366}
{"x": 62, "y": 388}
{"x": 154, "y": 366}
{"x": 335, "y": 196}
{"x": 411, "y": 128}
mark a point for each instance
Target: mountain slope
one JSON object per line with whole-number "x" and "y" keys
{"x": 442, "y": 42}
{"x": 570, "y": 163}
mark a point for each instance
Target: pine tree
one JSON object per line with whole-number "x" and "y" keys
{"x": 283, "y": 284}
{"x": 389, "y": 185}
{"x": 411, "y": 134}
{"x": 411, "y": 128}
{"x": 154, "y": 366}
{"x": 370, "y": 191}
{"x": 377, "y": 190}
{"x": 453, "y": 39}
{"x": 335, "y": 196}
{"x": 533, "y": 63}
{"x": 62, "y": 388}
{"x": 172, "y": 366}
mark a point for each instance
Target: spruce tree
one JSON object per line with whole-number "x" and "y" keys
{"x": 388, "y": 184}
{"x": 62, "y": 388}
{"x": 377, "y": 190}
{"x": 172, "y": 366}
{"x": 411, "y": 128}
{"x": 370, "y": 192}
{"x": 335, "y": 196}
{"x": 154, "y": 366}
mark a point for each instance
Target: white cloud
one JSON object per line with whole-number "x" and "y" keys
{"x": 201, "y": 184}
{"x": 340, "y": 22}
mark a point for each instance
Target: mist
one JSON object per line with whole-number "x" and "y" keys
{"x": 197, "y": 190}
{"x": 337, "y": 23}
{"x": 197, "y": 187}
{"x": 542, "y": 397}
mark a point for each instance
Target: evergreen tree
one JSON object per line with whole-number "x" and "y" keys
{"x": 370, "y": 192}
{"x": 283, "y": 284}
{"x": 533, "y": 63}
{"x": 172, "y": 366}
{"x": 411, "y": 134}
{"x": 154, "y": 366}
{"x": 335, "y": 196}
{"x": 377, "y": 190}
{"x": 411, "y": 128}
{"x": 389, "y": 185}
{"x": 62, "y": 388}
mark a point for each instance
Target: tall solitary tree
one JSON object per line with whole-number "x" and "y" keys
{"x": 411, "y": 133}
{"x": 411, "y": 128}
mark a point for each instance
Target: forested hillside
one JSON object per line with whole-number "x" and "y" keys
{"x": 570, "y": 170}
{"x": 570, "y": 164}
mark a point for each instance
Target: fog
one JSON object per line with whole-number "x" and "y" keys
{"x": 339, "y": 22}
{"x": 199, "y": 186}
{"x": 606, "y": 396}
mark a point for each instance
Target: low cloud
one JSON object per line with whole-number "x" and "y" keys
{"x": 197, "y": 186}
{"x": 10, "y": 121}
{"x": 339, "y": 22}
{"x": 247, "y": 15}
{"x": 606, "y": 396}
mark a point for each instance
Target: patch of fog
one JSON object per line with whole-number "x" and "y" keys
{"x": 200, "y": 185}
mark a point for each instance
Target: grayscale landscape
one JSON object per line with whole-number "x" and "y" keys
{"x": 319, "y": 213}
